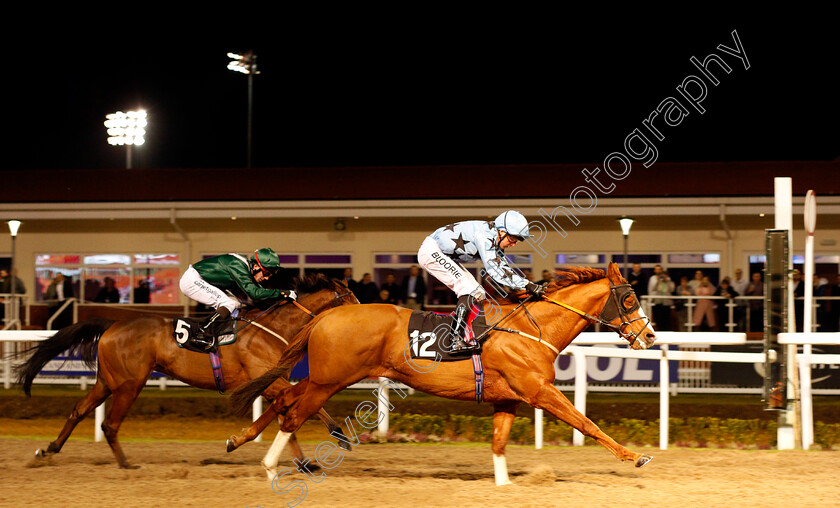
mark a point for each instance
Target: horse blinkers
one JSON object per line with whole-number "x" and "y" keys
{"x": 621, "y": 303}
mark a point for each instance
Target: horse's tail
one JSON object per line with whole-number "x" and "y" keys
{"x": 80, "y": 339}
{"x": 243, "y": 397}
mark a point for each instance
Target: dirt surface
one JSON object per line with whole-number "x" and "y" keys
{"x": 196, "y": 470}
{"x": 202, "y": 474}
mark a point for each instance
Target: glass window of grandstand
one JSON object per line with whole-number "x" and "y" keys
{"x": 296, "y": 265}
{"x": 331, "y": 265}
{"x": 826, "y": 280}
{"x": 826, "y": 267}
{"x": 390, "y": 271}
{"x": 678, "y": 265}
{"x": 112, "y": 278}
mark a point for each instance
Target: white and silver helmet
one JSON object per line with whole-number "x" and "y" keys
{"x": 513, "y": 223}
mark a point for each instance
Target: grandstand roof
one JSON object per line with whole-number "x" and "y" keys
{"x": 410, "y": 182}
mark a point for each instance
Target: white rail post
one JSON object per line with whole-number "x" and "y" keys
{"x": 805, "y": 415}
{"x": 580, "y": 390}
{"x": 538, "y": 428}
{"x": 7, "y": 367}
{"x": 664, "y": 381}
{"x": 383, "y": 403}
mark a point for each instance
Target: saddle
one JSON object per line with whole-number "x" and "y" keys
{"x": 188, "y": 334}
{"x": 430, "y": 335}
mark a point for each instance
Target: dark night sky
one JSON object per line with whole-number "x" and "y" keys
{"x": 519, "y": 88}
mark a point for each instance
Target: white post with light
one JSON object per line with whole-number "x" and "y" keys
{"x": 14, "y": 226}
{"x": 12, "y": 317}
{"x": 626, "y": 223}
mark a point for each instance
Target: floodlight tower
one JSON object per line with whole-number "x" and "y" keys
{"x": 246, "y": 64}
{"x": 127, "y": 129}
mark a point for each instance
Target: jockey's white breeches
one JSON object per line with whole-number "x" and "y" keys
{"x": 448, "y": 271}
{"x": 199, "y": 290}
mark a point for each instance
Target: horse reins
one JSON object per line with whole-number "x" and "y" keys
{"x": 620, "y": 311}
{"x": 279, "y": 304}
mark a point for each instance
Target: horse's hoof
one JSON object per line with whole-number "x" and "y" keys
{"x": 128, "y": 466}
{"x": 40, "y": 454}
{"x": 345, "y": 445}
{"x": 644, "y": 459}
{"x": 230, "y": 444}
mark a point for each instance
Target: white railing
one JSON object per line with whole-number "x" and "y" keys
{"x": 584, "y": 346}
{"x": 55, "y": 315}
{"x": 580, "y": 352}
{"x": 11, "y": 310}
{"x": 21, "y": 337}
{"x": 804, "y": 362}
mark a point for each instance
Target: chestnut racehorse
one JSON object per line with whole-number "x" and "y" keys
{"x": 130, "y": 350}
{"x": 518, "y": 359}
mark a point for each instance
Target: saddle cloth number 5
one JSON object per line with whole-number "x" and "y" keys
{"x": 182, "y": 331}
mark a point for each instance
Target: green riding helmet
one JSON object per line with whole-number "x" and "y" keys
{"x": 265, "y": 260}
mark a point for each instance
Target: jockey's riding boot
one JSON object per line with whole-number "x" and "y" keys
{"x": 205, "y": 338}
{"x": 460, "y": 328}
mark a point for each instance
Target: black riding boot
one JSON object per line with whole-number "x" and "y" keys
{"x": 205, "y": 337}
{"x": 459, "y": 328}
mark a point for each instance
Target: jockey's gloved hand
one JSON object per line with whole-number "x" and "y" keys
{"x": 289, "y": 295}
{"x": 535, "y": 289}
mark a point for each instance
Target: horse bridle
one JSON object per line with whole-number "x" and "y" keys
{"x": 615, "y": 308}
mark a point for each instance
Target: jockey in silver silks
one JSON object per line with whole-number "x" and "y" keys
{"x": 467, "y": 241}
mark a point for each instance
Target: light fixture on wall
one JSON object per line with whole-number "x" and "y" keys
{"x": 626, "y": 223}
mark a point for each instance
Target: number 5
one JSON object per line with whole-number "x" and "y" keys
{"x": 182, "y": 332}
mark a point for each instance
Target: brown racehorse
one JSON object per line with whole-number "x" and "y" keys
{"x": 518, "y": 359}
{"x": 130, "y": 350}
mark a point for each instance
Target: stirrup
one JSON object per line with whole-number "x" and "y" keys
{"x": 462, "y": 346}
{"x": 203, "y": 342}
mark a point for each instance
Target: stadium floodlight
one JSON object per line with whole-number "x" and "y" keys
{"x": 246, "y": 64}
{"x": 126, "y": 129}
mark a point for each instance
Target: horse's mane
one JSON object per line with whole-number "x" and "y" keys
{"x": 576, "y": 275}
{"x": 564, "y": 277}
{"x": 313, "y": 282}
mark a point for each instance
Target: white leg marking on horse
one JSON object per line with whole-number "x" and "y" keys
{"x": 500, "y": 468}
{"x": 271, "y": 458}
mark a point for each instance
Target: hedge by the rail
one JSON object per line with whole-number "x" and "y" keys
{"x": 688, "y": 432}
